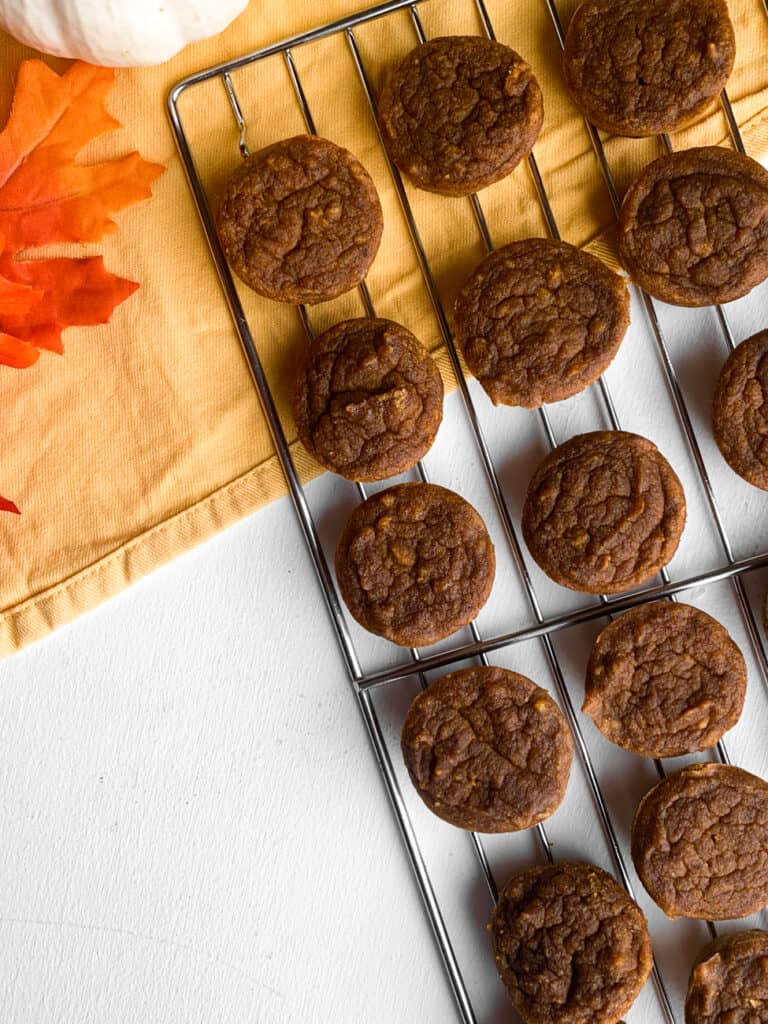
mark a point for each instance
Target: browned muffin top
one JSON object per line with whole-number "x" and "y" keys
{"x": 694, "y": 226}
{"x": 641, "y": 67}
{"x": 729, "y": 982}
{"x": 301, "y": 220}
{"x": 459, "y": 113}
{"x": 538, "y": 321}
{"x": 368, "y": 399}
{"x": 603, "y": 512}
{"x": 571, "y": 946}
{"x": 487, "y": 750}
{"x": 665, "y": 679}
{"x": 415, "y": 563}
{"x": 700, "y": 842}
{"x": 740, "y": 410}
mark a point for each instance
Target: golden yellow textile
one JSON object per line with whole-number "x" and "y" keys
{"x": 146, "y": 437}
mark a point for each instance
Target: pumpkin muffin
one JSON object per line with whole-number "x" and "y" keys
{"x": 700, "y": 843}
{"x": 459, "y": 113}
{"x": 539, "y": 321}
{"x": 487, "y": 750}
{"x": 368, "y": 399}
{"x": 571, "y": 946}
{"x": 642, "y": 67}
{"x": 729, "y": 981}
{"x": 665, "y": 679}
{"x": 604, "y": 512}
{"x": 740, "y": 410}
{"x": 693, "y": 228}
{"x": 300, "y": 221}
{"x": 415, "y": 563}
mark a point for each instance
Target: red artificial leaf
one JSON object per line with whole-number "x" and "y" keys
{"x": 17, "y": 299}
{"x": 17, "y": 353}
{"x": 69, "y": 292}
{"x": 44, "y": 195}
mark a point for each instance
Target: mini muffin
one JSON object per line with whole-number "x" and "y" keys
{"x": 604, "y": 512}
{"x": 415, "y": 563}
{"x": 665, "y": 679}
{"x": 539, "y": 321}
{"x": 300, "y": 221}
{"x": 368, "y": 399}
{"x": 571, "y": 946}
{"x": 693, "y": 229}
{"x": 700, "y": 843}
{"x": 459, "y": 113}
{"x": 642, "y": 67}
{"x": 729, "y": 981}
{"x": 740, "y": 410}
{"x": 487, "y": 750}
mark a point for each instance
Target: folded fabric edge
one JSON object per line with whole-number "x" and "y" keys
{"x": 36, "y": 616}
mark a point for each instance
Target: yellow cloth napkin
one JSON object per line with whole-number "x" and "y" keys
{"x": 146, "y": 437}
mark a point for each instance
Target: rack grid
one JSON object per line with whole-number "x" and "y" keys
{"x": 542, "y": 628}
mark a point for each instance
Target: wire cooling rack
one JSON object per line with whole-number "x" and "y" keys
{"x": 378, "y": 689}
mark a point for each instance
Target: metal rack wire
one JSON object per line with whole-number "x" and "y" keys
{"x": 542, "y": 628}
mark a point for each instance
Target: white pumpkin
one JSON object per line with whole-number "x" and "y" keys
{"x": 116, "y": 33}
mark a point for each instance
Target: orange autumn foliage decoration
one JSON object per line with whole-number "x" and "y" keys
{"x": 45, "y": 198}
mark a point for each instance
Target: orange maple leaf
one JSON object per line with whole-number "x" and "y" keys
{"x": 16, "y": 301}
{"x": 46, "y": 197}
{"x": 68, "y": 292}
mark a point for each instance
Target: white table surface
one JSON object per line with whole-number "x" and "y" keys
{"x": 193, "y": 827}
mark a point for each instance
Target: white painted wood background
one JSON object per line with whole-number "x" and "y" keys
{"x": 193, "y": 829}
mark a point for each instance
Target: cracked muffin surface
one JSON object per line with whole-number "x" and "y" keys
{"x": 459, "y": 113}
{"x": 368, "y": 399}
{"x": 603, "y": 512}
{"x": 642, "y": 67}
{"x": 729, "y": 982}
{"x": 487, "y": 750}
{"x": 300, "y": 220}
{"x": 693, "y": 228}
{"x": 571, "y": 946}
{"x": 700, "y": 842}
{"x": 665, "y": 679}
{"x": 539, "y": 321}
{"x": 415, "y": 563}
{"x": 740, "y": 410}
